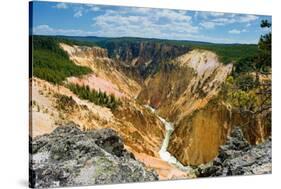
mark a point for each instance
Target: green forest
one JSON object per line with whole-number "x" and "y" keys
{"x": 51, "y": 63}
{"x": 97, "y": 97}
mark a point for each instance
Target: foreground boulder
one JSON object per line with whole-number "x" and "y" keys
{"x": 71, "y": 157}
{"x": 238, "y": 157}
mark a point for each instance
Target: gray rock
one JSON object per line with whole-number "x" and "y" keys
{"x": 71, "y": 157}
{"x": 238, "y": 157}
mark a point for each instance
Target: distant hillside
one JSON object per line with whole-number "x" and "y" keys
{"x": 227, "y": 52}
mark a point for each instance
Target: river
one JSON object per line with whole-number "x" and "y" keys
{"x": 163, "y": 153}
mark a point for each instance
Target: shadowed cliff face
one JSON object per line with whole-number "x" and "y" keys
{"x": 142, "y": 59}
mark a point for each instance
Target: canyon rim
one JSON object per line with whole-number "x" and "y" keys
{"x": 128, "y": 94}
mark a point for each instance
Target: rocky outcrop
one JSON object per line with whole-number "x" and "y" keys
{"x": 238, "y": 157}
{"x": 71, "y": 157}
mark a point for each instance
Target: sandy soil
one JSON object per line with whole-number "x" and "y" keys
{"x": 164, "y": 169}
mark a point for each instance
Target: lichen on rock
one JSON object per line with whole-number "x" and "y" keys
{"x": 71, "y": 157}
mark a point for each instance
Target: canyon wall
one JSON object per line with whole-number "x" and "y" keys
{"x": 197, "y": 137}
{"x": 183, "y": 85}
{"x": 186, "y": 91}
{"x": 140, "y": 59}
{"x": 105, "y": 76}
{"x": 141, "y": 131}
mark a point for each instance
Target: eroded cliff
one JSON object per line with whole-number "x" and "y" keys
{"x": 141, "y": 130}
{"x": 197, "y": 137}
{"x": 238, "y": 157}
{"x": 183, "y": 86}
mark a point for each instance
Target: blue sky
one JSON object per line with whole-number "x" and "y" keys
{"x": 51, "y": 18}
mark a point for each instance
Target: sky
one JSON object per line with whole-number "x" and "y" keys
{"x": 72, "y": 19}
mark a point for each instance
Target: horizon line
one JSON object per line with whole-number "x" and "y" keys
{"x": 120, "y": 37}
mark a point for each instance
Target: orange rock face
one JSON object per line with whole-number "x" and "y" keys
{"x": 182, "y": 91}
{"x": 197, "y": 138}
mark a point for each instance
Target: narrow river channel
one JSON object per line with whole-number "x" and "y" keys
{"x": 164, "y": 154}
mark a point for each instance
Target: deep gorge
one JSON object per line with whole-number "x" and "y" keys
{"x": 172, "y": 115}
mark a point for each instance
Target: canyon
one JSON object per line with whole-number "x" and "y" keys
{"x": 171, "y": 115}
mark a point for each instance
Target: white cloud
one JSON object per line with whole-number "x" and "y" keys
{"x": 211, "y": 20}
{"x": 237, "y": 31}
{"x": 210, "y": 25}
{"x": 93, "y": 8}
{"x": 248, "y": 25}
{"x": 61, "y": 6}
{"x": 78, "y": 11}
{"x": 248, "y": 18}
{"x": 78, "y": 14}
{"x": 47, "y": 30}
{"x": 42, "y": 29}
{"x": 234, "y": 31}
{"x": 81, "y": 10}
{"x": 153, "y": 23}
{"x": 216, "y": 14}
{"x": 208, "y": 15}
{"x": 172, "y": 15}
{"x": 144, "y": 22}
